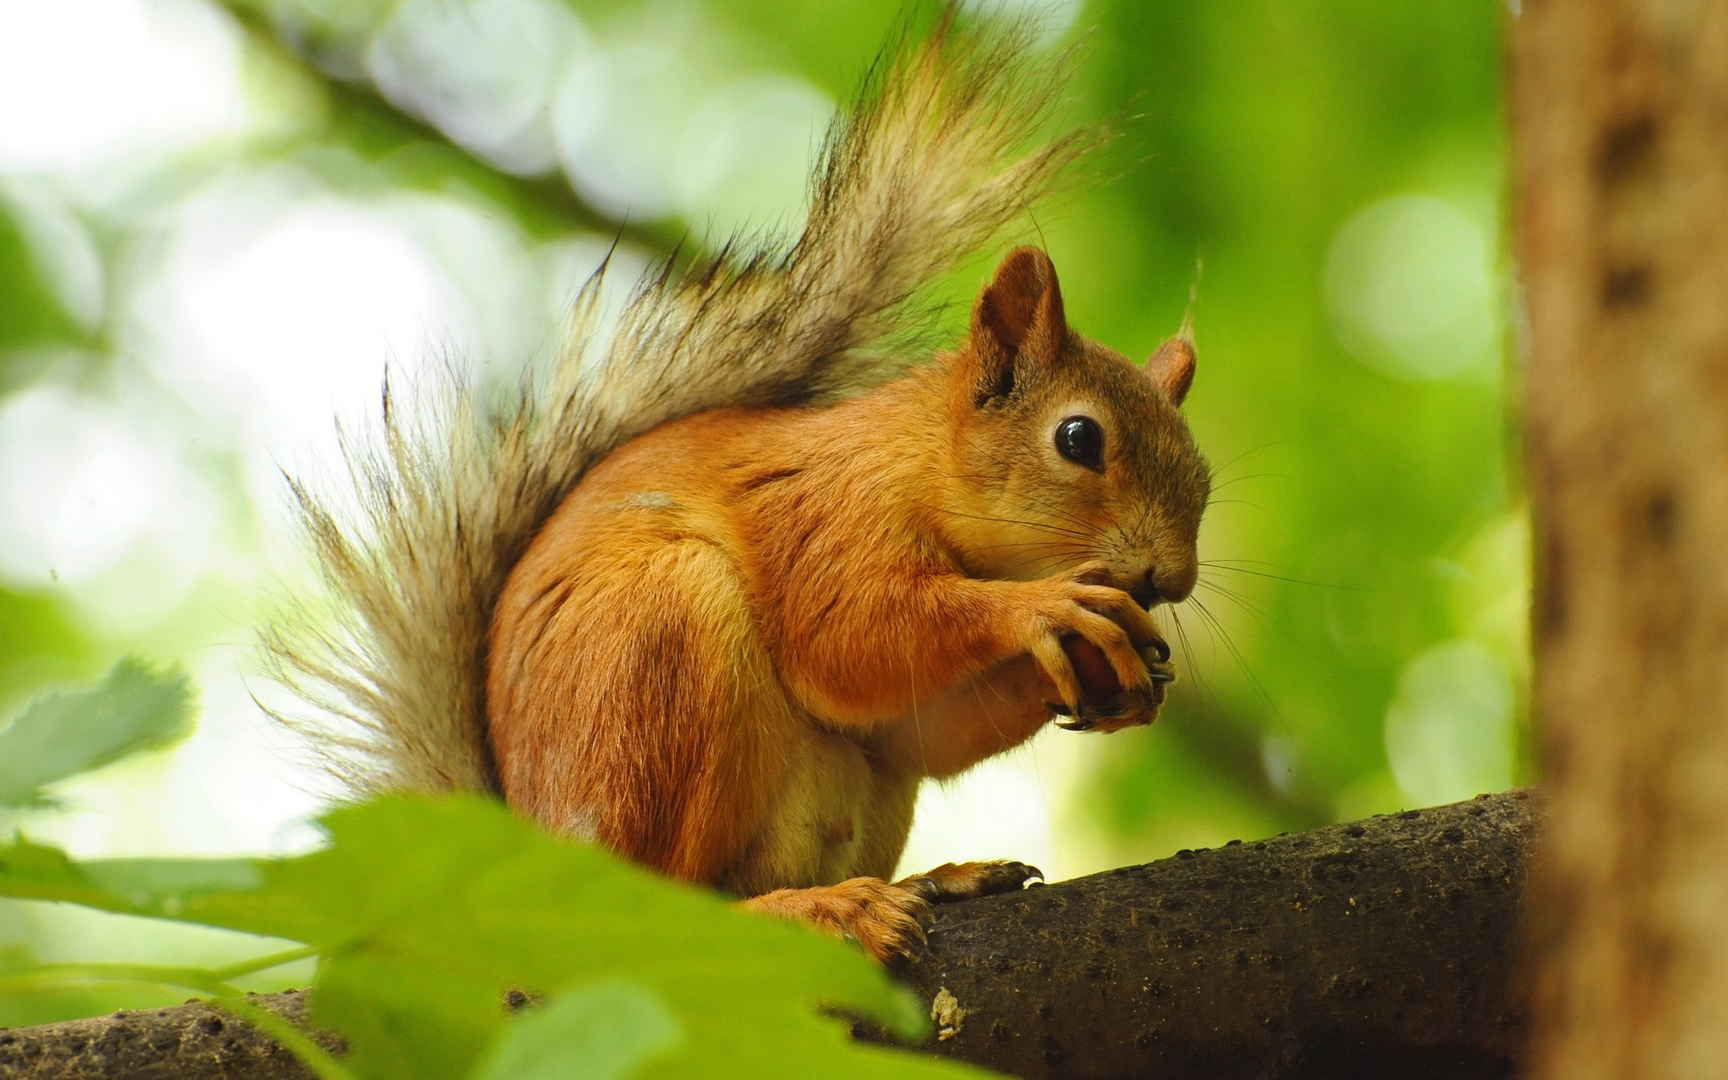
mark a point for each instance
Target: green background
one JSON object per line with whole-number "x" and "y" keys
{"x": 1330, "y": 172}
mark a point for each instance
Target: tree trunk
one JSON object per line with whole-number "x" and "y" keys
{"x": 1620, "y": 113}
{"x": 1380, "y": 948}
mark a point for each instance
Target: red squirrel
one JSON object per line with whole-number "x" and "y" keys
{"x": 713, "y": 593}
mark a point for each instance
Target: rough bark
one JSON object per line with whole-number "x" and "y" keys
{"x": 195, "y": 1040}
{"x": 1381, "y": 948}
{"x": 1620, "y": 112}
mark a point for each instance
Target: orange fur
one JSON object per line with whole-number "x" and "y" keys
{"x": 745, "y": 637}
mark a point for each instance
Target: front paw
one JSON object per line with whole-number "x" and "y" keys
{"x": 1088, "y": 639}
{"x": 1105, "y": 706}
{"x": 1121, "y": 711}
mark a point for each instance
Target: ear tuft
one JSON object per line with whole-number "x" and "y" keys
{"x": 1018, "y": 318}
{"x": 1172, "y": 366}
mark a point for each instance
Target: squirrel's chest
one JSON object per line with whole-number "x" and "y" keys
{"x": 833, "y": 815}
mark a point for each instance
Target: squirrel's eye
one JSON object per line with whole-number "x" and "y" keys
{"x": 1081, "y": 440}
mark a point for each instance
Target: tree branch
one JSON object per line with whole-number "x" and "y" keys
{"x": 362, "y": 113}
{"x": 1380, "y": 948}
{"x": 194, "y": 1041}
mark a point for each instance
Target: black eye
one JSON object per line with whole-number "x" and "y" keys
{"x": 1081, "y": 440}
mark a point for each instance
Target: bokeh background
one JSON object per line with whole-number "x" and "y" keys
{"x": 220, "y": 220}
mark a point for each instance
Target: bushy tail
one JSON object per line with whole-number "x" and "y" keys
{"x": 449, "y": 488}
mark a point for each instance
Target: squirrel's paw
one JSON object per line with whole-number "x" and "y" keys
{"x": 964, "y": 881}
{"x": 883, "y": 918}
{"x": 1123, "y": 711}
{"x": 1106, "y": 618}
{"x": 1105, "y": 705}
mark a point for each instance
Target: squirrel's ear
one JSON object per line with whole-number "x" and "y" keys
{"x": 1172, "y": 367}
{"x": 1018, "y": 318}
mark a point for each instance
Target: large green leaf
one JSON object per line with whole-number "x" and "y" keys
{"x": 477, "y": 899}
{"x": 611, "y": 1028}
{"x": 426, "y": 910}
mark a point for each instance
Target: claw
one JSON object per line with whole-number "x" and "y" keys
{"x": 1074, "y": 725}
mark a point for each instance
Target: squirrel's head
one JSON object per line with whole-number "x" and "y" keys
{"x": 1065, "y": 452}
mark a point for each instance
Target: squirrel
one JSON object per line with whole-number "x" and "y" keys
{"x": 724, "y": 583}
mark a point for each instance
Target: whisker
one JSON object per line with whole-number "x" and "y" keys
{"x": 1017, "y": 521}
{"x": 1246, "y": 605}
{"x": 1045, "y": 504}
{"x": 1235, "y": 651}
{"x": 1188, "y": 651}
{"x": 1249, "y": 476}
{"x": 1245, "y": 455}
{"x": 1280, "y": 577}
{"x": 1050, "y": 506}
{"x": 1059, "y": 541}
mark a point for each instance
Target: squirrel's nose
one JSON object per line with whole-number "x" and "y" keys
{"x": 1145, "y": 593}
{"x": 1163, "y": 585}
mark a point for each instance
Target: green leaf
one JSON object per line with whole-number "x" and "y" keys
{"x": 160, "y": 888}
{"x": 476, "y": 900}
{"x": 601, "y": 1030}
{"x": 134, "y": 709}
{"x": 425, "y": 911}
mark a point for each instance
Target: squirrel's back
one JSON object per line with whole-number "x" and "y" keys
{"x": 448, "y": 488}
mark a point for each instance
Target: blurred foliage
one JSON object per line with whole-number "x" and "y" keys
{"x": 1326, "y": 172}
{"x": 415, "y": 989}
{"x": 1264, "y": 126}
{"x": 32, "y": 314}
